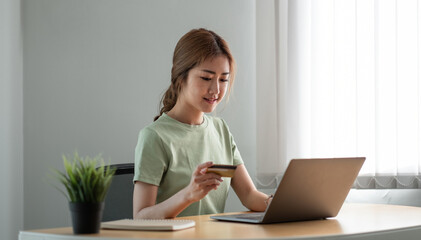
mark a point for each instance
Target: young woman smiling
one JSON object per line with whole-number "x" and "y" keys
{"x": 173, "y": 153}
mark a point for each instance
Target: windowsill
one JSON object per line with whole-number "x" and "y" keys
{"x": 362, "y": 182}
{"x": 388, "y": 182}
{"x": 407, "y": 197}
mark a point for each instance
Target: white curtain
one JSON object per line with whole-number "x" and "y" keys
{"x": 340, "y": 78}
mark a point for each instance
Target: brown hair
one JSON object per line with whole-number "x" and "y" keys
{"x": 191, "y": 50}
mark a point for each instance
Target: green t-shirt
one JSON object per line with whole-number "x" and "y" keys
{"x": 168, "y": 152}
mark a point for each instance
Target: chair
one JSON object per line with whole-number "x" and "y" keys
{"x": 119, "y": 198}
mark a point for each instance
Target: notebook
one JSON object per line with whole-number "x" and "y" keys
{"x": 310, "y": 189}
{"x": 149, "y": 224}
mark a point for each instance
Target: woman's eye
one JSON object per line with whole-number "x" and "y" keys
{"x": 224, "y": 80}
{"x": 206, "y": 79}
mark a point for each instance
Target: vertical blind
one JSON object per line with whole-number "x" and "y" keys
{"x": 340, "y": 78}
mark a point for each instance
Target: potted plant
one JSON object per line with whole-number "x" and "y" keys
{"x": 86, "y": 181}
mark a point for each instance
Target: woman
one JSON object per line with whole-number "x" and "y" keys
{"x": 174, "y": 152}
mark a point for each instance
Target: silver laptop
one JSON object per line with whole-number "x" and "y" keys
{"x": 310, "y": 189}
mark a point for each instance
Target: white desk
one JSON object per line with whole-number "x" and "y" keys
{"x": 355, "y": 221}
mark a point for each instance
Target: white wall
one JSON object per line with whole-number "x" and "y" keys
{"x": 94, "y": 72}
{"x": 11, "y": 136}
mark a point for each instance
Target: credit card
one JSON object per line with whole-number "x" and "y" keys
{"x": 222, "y": 170}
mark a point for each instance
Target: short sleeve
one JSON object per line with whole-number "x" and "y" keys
{"x": 236, "y": 153}
{"x": 237, "y": 159}
{"x": 151, "y": 161}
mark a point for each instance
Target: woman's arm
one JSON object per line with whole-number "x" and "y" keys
{"x": 144, "y": 198}
{"x": 244, "y": 187}
{"x": 144, "y": 195}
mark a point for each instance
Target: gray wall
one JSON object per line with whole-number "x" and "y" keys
{"x": 11, "y": 132}
{"x": 94, "y": 72}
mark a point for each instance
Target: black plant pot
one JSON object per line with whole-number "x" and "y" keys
{"x": 86, "y": 217}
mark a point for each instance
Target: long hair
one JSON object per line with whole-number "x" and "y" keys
{"x": 193, "y": 49}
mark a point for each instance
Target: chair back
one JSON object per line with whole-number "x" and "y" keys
{"x": 119, "y": 198}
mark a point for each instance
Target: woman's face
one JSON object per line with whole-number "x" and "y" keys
{"x": 206, "y": 85}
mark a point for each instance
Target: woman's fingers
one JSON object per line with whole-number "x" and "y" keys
{"x": 202, "y": 182}
{"x": 208, "y": 178}
{"x": 207, "y": 182}
{"x": 201, "y": 176}
{"x": 201, "y": 169}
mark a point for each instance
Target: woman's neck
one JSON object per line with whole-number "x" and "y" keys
{"x": 186, "y": 116}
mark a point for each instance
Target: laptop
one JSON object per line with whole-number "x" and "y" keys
{"x": 313, "y": 188}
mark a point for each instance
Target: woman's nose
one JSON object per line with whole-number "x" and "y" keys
{"x": 214, "y": 87}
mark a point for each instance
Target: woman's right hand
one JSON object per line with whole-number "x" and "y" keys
{"x": 144, "y": 195}
{"x": 202, "y": 183}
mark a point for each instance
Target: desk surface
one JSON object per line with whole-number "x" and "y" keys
{"x": 355, "y": 221}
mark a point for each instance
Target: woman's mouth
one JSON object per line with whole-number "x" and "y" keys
{"x": 211, "y": 100}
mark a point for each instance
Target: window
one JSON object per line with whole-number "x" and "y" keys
{"x": 340, "y": 78}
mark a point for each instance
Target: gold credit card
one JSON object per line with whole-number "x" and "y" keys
{"x": 222, "y": 170}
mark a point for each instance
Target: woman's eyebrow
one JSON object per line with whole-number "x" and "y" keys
{"x": 212, "y": 72}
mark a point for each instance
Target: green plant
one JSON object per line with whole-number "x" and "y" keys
{"x": 83, "y": 180}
